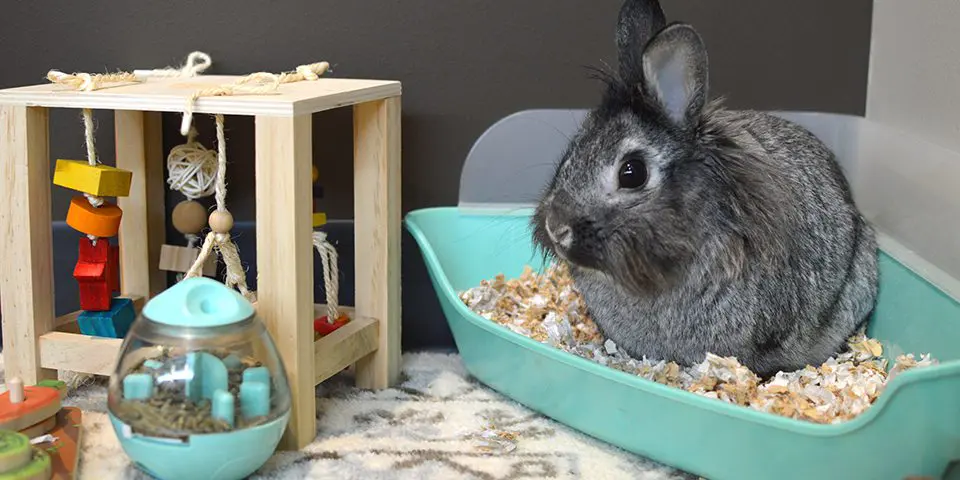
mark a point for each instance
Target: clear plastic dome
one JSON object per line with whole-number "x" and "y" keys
{"x": 173, "y": 380}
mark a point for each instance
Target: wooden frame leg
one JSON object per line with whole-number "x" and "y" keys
{"x": 285, "y": 259}
{"x": 376, "y": 133}
{"x": 26, "y": 240}
{"x": 142, "y": 230}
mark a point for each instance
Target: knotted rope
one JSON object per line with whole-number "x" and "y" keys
{"x": 86, "y": 82}
{"x": 331, "y": 274}
{"x": 254, "y": 84}
{"x": 197, "y": 63}
{"x": 219, "y": 238}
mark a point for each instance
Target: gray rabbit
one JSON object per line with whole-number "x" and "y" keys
{"x": 690, "y": 228}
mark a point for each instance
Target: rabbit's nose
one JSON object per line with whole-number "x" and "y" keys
{"x": 560, "y": 235}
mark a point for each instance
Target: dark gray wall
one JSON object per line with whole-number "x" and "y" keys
{"x": 463, "y": 64}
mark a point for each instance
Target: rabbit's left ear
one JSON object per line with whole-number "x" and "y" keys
{"x": 675, "y": 74}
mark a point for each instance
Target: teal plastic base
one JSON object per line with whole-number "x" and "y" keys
{"x": 913, "y": 429}
{"x": 220, "y": 456}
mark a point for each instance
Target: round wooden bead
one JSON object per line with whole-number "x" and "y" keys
{"x": 189, "y": 217}
{"x": 221, "y": 222}
{"x": 101, "y": 222}
{"x": 316, "y": 174}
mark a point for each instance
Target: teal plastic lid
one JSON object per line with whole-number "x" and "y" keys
{"x": 198, "y": 302}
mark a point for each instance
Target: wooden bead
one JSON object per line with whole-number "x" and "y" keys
{"x": 221, "y": 222}
{"x": 316, "y": 174}
{"x": 189, "y": 217}
{"x": 100, "y": 222}
{"x": 99, "y": 180}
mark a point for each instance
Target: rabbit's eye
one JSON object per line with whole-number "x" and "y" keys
{"x": 633, "y": 173}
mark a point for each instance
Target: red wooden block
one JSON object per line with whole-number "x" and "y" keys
{"x": 324, "y": 327}
{"x": 91, "y": 273}
{"x": 113, "y": 268}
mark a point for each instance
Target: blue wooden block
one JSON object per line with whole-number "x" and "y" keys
{"x": 137, "y": 386}
{"x": 113, "y": 323}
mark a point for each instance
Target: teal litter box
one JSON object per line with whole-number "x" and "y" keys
{"x": 906, "y": 187}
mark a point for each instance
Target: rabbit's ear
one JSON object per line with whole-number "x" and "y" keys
{"x": 675, "y": 74}
{"x": 639, "y": 21}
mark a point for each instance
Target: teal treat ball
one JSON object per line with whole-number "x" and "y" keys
{"x": 199, "y": 390}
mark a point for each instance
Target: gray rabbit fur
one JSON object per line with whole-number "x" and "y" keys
{"x": 690, "y": 228}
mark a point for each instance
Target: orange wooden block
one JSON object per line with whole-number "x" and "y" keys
{"x": 99, "y": 222}
{"x": 39, "y": 404}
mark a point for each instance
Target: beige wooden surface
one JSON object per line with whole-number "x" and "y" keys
{"x": 344, "y": 346}
{"x": 26, "y": 266}
{"x": 142, "y": 228}
{"x": 171, "y": 94}
{"x": 79, "y": 353}
{"x": 285, "y": 258}
{"x": 377, "y": 234}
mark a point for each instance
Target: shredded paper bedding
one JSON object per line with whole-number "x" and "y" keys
{"x": 546, "y": 307}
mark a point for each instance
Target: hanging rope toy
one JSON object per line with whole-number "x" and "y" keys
{"x": 221, "y": 222}
{"x": 331, "y": 285}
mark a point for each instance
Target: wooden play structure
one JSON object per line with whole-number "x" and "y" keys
{"x": 37, "y": 344}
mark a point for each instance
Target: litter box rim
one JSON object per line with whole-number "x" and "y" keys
{"x": 894, "y": 387}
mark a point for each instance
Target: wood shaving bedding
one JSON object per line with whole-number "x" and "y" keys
{"x": 547, "y": 308}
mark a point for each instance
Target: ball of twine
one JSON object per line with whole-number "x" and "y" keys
{"x": 192, "y": 168}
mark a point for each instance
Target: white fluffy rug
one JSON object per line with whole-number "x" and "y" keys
{"x": 428, "y": 427}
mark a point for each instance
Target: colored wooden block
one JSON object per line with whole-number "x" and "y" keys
{"x": 39, "y": 404}
{"x": 319, "y": 219}
{"x": 112, "y": 323}
{"x": 324, "y": 327}
{"x": 95, "y": 264}
{"x": 99, "y": 180}
{"x": 41, "y": 428}
{"x": 113, "y": 268}
{"x": 15, "y": 451}
{"x": 58, "y": 385}
{"x": 38, "y": 468}
{"x": 99, "y": 222}
{"x": 174, "y": 258}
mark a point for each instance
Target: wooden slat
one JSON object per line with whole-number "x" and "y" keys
{"x": 344, "y": 347}
{"x": 377, "y": 234}
{"x": 79, "y": 353}
{"x": 285, "y": 259}
{"x": 142, "y": 229}
{"x": 26, "y": 262}
{"x": 170, "y": 94}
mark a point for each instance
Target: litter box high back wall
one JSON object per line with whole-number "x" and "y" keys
{"x": 915, "y": 69}
{"x": 463, "y": 64}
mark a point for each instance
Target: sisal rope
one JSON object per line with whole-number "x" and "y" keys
{"x": 331, "y": 274}
{"x": 254, "y": 84}
{"x": 236, "y": 276}
{"x": 197, "y": 63}
{"x": 86, "y": 82}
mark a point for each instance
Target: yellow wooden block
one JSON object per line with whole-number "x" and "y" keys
{"x": 319, "y": 219}
{"x": 99, "y": 180}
